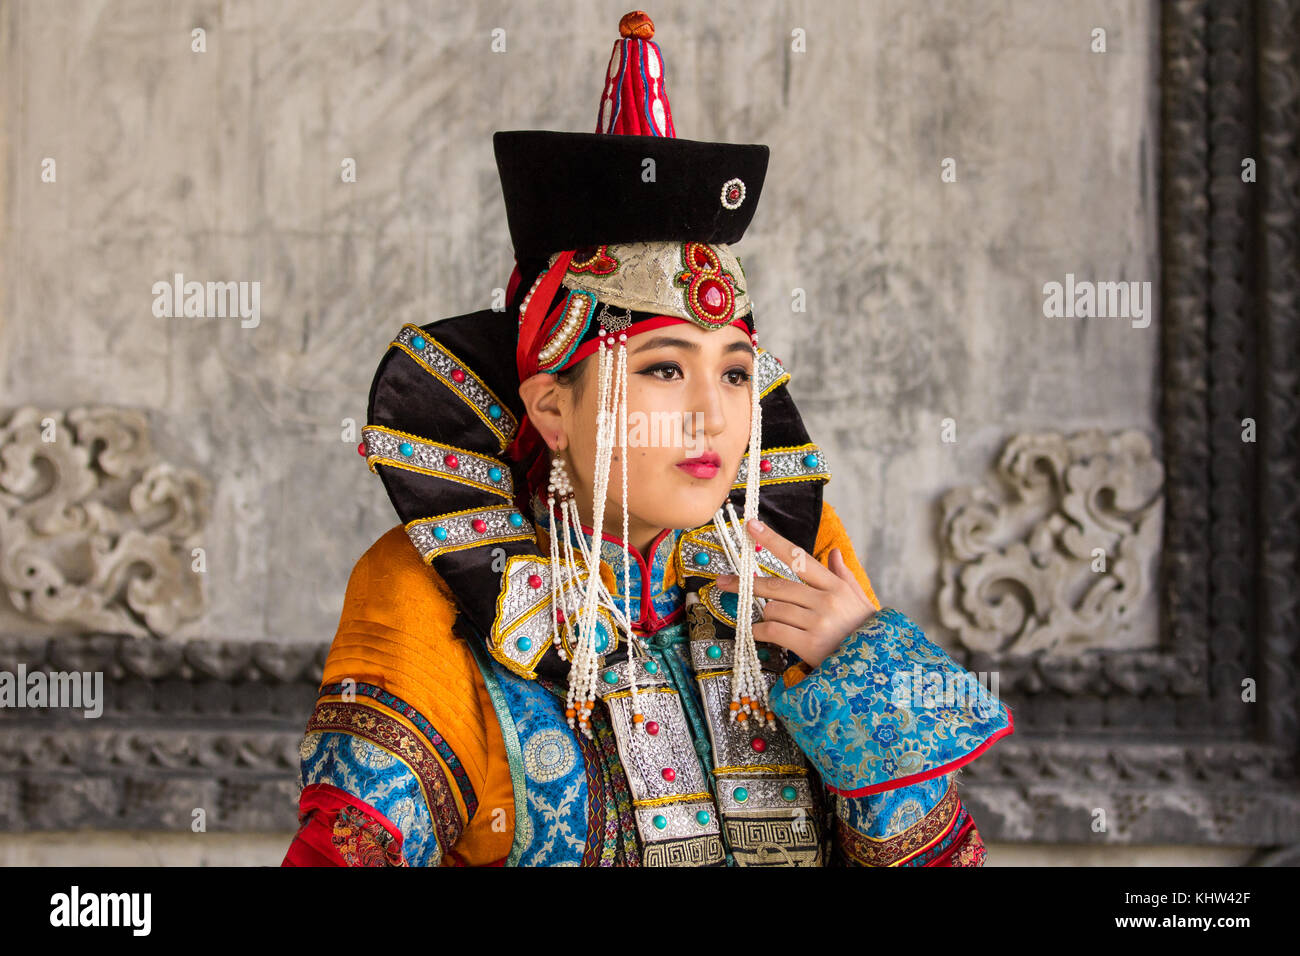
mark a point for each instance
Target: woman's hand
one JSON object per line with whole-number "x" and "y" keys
{"x": 811, "y": 618}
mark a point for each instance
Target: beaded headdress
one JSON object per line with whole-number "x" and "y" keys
{"x": 603, "y": 252}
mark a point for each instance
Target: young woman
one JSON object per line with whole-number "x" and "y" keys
{"x": 521, "y": 689}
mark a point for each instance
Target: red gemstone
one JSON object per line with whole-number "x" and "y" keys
{"x": 361, "y": 449}
{"x": 480, "y": 525}
{"x": 534, "y": 580}
{"x": 759, "y": 745}
{"x": 764, "y": 465}
{"x": 652, "y": 727}
{"x": 458, "y": 375}
{"x": 451, "y": 460}
{"x": 670, "y": 774}
{"x": 711, "y": 296}
{"x": 758, "y": 547}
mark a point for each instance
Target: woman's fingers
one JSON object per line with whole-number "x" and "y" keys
{"x": 776, "y": 589}
{"x": 792, "y": 614}
{"x": 841, "y": 568}
{"x": 809, "y": 569}
{"x": 777, "y": 632}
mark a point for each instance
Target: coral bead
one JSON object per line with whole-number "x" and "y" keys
{"x": 652, "y": 727}
{"x": 759, "y": 745}
{"x": 480, "y": 525}
{"x": 670, "y": 774}
{"x": 458, "y": 375}
{"x": 534, "y": 580}
{"x": 451, "y": 460}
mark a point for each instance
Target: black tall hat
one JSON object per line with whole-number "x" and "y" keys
{"x": 447, "y": 432}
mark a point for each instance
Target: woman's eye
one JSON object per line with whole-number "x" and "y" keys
{"x": 654, "y": 371}
{"x": 669, "y": 371}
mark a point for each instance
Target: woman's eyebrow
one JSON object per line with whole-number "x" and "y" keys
{"x": 667, "y": 341}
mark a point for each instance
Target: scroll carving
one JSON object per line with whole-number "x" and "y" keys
{"x": 95, "y": 531}
{"x": 1064, "y": 558}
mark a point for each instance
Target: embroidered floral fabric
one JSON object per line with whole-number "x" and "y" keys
{"x": 889, "y": 708}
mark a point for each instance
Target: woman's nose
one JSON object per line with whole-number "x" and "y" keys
{"x": 710, "y": 415}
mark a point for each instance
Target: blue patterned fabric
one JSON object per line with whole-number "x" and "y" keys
{"x": 381, "y": 780}
{"x": 887, "y": 814}
{"x": 888, "y": 708}
{"x": 553, "y": 830}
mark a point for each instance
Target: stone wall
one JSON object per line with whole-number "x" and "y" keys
{"x": 933, "y": 166}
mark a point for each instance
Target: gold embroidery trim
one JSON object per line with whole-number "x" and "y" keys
{"x": 505, "y": 490}
{"x": 504, "y": 436}
{"x": 675, "y": 798}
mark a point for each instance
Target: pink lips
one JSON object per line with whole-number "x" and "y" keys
{"x": 702, "y": 466}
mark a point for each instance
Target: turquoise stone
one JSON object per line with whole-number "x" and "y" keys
{"x": 440, "y": 532}
{"x": 516, "y": 520}
{"x": 810, "y": 461}
{"x": 406, "y": 448}
{"x": 788, "y": 793}
{"x": 703, "y": 817}
{"x": 417, "y": 342}
{"x": 524, "y": 643}
{"x": 494, "y": 474}
{"x": 714, "y": 652}
{"x": 764, "y": 653}
{"x": 661, "y": 821}
{"x": 702, "y": 558}
{"x": 494, "y": 411}
{"x": 602, "y": 642}
{"x": 741, "y": 794}
{"x": 611, "y": 677}
{"x": 651, "y": 667}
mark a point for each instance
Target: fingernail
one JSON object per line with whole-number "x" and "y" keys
{"x": 757, "y": 525}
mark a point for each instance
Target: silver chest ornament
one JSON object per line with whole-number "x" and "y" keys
{"x": 764, "y": 811}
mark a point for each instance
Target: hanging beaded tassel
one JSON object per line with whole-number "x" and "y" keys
{"x": 749, "y": 690}
{"x": 586, "y": 659}
{"x": 633, "y": 642}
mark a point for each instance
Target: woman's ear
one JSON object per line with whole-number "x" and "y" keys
{"x": 541, "y": 397}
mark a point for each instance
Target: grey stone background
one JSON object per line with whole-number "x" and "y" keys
{"x": 924, "y": 299}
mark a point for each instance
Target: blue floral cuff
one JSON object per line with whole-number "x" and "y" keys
{"x": 889, "y": 709}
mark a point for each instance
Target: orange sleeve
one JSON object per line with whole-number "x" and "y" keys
{"x": 395, "y": 633}
{"x": 831, "y": 534}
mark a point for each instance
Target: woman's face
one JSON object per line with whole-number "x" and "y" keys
{"x": 688, "y": 396}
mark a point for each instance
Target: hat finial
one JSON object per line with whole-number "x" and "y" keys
{"x": 637, "y": 24}
{"x": 634, "y": 101}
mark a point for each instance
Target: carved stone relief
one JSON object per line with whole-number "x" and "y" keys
{"x": 95, "y": 531}
{"x": 1062, "y": 554}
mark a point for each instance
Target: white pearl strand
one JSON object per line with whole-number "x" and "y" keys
{"x": 747, "y": 672}
{"x": 585, "y": 664}
{"x": 565, "y": 597}
{"x": 635, "y": 648}
{"x": 570, "y": 599}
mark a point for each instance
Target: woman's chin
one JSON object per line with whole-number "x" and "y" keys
{"x": 692, "y": 508}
